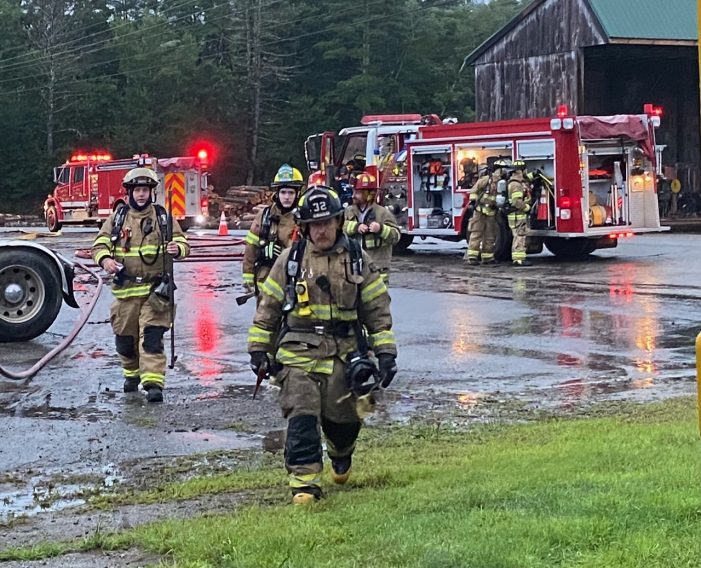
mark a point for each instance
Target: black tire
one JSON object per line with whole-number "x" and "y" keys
{"x": 30, "y": 294}
{"x": 52, "y": 222}
{"x": 403, "y": 244}
{"x": 502, "y": 250}
{"x": 571, "y": 248}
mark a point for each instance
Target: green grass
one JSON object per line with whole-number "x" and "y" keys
{"x": 622, "y": 490}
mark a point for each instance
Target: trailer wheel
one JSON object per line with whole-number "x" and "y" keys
{"x": 30, "y": 294}
{"x": 403, "y": 244}
{"x": 52, "y": 222}
{"x": 571, "y": 248}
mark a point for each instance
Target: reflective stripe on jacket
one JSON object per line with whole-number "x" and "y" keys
{"x": 141, "y": 254}
{"x": 310, "y": 342}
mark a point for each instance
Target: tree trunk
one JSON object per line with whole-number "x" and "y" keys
{"x": 255, "y": 77}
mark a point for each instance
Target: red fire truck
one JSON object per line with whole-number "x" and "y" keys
{"x": 89, "y": 188}
{"x": 594, "y": 178}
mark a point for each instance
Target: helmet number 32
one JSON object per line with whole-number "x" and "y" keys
{"x": 319, "y": 206}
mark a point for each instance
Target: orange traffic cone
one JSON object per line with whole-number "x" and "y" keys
{"x": 223, "y": 227}
{"x": 542, "y": 214}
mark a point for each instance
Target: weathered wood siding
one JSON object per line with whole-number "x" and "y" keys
{"x": 526, "y": 89}
{"x": 535, "y": 65}
{"x": 621, "y": 79}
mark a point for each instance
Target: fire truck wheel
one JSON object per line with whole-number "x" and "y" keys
{"x": 30, "y": 294}
{"x": 52, "y": 221}
{"x": 403, "y": 244}
{"x": 502, "y": 250}
{"x": 571, "y": 248}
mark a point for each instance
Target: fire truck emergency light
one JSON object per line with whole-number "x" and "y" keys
{"x": 91, "y": 157}
{"x": 202, "y": 155}
{"x": 654, "y": 112}
{"x": 562, "y": 111}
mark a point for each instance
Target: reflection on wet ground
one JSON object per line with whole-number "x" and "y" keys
{"x": 475, "y": 345}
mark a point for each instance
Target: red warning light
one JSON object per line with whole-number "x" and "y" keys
{"x": 203, "y": 150}
{"x": 652, "y": 110}
{"x": 562, "y": 111}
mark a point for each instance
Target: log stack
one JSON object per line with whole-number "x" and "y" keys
{"x": 240, "y": 204}
{"x": 10, "y": 220}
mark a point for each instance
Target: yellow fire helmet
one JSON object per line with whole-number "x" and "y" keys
{"x": 287, "y": 176}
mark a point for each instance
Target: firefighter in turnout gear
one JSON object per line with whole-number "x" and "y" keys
{"x": 372, "y": 225}
{"x": 483, "y": 226}
{"x": 520, "y": 205}
{"x": 271, "y": 231}
{"x": 308, "y": 333}
{"x": 131, "y": 246}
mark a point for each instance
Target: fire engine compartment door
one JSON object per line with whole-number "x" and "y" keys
{"x": 192, "y": 187}
{"x": 539, "y": 156}
{"x": 432, "y": 187}
{"x": 619, "y": 182}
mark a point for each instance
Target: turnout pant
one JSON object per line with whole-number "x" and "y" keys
{"x": 313, "y": 403}
{"x": 483, "y": 236}
{"x": 519, "y": 227}
{"x": 138, "y": 330}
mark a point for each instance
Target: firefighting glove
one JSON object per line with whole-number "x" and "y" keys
{"x": 388, "y": 368}
{"x": 259, "y": 359}
{"x": 273, "y": 250}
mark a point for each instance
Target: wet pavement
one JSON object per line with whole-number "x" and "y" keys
{"x": 476, "y": 344}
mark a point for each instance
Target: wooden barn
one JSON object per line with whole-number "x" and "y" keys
{"x": 599, "y": 57}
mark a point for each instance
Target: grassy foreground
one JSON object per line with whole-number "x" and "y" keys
{"x": 617, "y": 491}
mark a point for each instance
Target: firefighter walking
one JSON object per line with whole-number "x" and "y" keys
{"x": 373, "y": 225}
{"x": 520, "y": 205}
{"x": 271, "y": 231}
{"x": 131, "y": 246}
{"x": 482, "y": 225}
{"x": 307, "y": 331}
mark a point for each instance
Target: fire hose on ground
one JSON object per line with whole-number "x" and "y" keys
{"x": 207, "y": 257}
{"x": 34, "y": 369}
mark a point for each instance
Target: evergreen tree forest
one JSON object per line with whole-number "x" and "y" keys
{"x": 253, "y": 78}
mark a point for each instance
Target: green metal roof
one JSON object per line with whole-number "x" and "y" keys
{"x": 647, "y": 19}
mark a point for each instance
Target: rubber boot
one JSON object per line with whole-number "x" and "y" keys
{"x": 131, "y": 384}
{"x": 522, "y": 263}
{"x": 154, "y": 393}
{"x": 472, "y": 261}
{"x": 340, "y": 470}
{"x": 306, "y": 495}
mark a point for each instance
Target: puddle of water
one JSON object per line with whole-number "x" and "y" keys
{"x": 47, "y": 493}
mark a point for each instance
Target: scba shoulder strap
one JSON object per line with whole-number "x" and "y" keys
{"x": 294, "y": 268}
{"x": 120, "y": 216}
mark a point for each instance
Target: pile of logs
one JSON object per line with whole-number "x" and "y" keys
{"x": 9, "y": 220}
{"x": 240, "y": 204}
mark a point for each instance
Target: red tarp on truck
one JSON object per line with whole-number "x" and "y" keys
{"x": 628, "y": 126}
